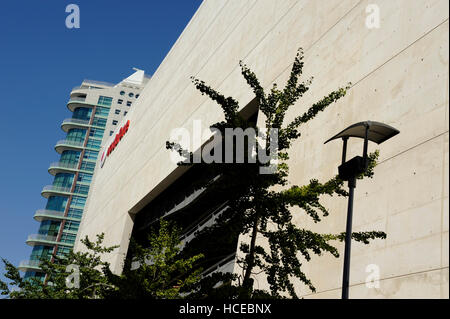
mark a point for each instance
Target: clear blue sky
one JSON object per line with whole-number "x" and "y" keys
{"x": 40, "y": 62}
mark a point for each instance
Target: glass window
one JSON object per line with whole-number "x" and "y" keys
{"x": 122, "y": 92}
{"x": 84, "y": 178}
{"x": 128, "y": 103}
{"x": 99, "y": 122}
{"x": 91, "y": 143}
{"x": 125, "y": 113}
{"x": 92, "y": 155}
{"x": 63, "y": 180}
{"x": 87, "y": 166}
{"x": 117, "y": 111}
{"x": 130, "y": 94}
{"x": 68, "y": 238}
{"x": 57, "y": 203}
{"x": 75, "y": 212}
{"x": 78, "y": 201}
{"x": 82, "y": 113}
{"x": 137, "y": 95}
{"x": 119, "y": 101}
{"x": 71, "y": 225}
{"x": 96, "y": 132}
{"x": 114, "y": 122}
{"x": 111, "y": 133}
{"x": 41, "y": 252}
{"x": 76, "y": 134}
{"x": 81, "y": 189}
{"x": 62, "y": 251}
{"x": 104, "y": 100}
{"x": 49, "y": 228}
{"x": 70, "y": 157}
{"x": 102, "y": 111}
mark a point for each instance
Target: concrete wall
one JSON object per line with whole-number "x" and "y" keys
{"x": 400, "y": 77}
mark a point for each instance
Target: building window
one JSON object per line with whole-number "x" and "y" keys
{"x": 92, "y": 155}
{"x": 119, "y": 101}
{"x": 125, "y": 113}
{"x": 104, "y": 100}
{"x": 114, "y": 122}
{"x": 137, "y": 95}
{"x": 117, "y": 111}
{"x": 78, "y": 201}
{"x": 96, "y": 132}
{"x": 102, "y": 111}
{"x": 84, "y": 178}
{"x": 128, "y": 103}
{"x": 99, "y": 122}
{"x": 130, "y": 94}
{"x": 111, "y": 133}
{"x": 122, "y": 92}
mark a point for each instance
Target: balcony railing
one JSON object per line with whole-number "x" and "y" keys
{"x": 24, "y": 265}
{"x": 77, "y": 99}
{"x": 69, "y": 143}
{"x": 87, "y": 82}
{"x": 75, "y": 121}
{"x": 63, "y": 166}
{"x": 42, "y": 214}
{"x": 38, "y": 238}
{"x": 47, "y": 190}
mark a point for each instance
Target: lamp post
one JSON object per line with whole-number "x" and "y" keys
{"x": 368, "y": 130}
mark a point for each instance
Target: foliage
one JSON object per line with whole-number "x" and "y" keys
{"x": 256, "y": 206}
{"x": 163, "y": 272}
{"x": 92, "y": 282}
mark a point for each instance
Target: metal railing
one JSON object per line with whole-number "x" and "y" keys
{"x": 77, "y": 99}
{"x": 87, "y": 82}
{"x": 58, "y": 189}
{"x": 75, "y": 121}
{"x": 74, "y": 143}
{"x": 64, "y": 165}
{"x": 29, "y": 264}
{"x": 39, "y": 237}
{"x": 49, "y": 213}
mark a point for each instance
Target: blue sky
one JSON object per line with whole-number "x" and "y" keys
{"x": 40, "y": 62}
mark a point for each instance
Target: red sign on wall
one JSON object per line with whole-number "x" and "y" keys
{"x": 108, "y": 150}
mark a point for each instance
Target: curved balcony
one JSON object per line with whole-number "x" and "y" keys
{"x": 68, "y": 124}
{"x": 63, "y": 145}
{"x": 59, "y": 167}
{"x": 76, "y": 101}
{"x": 49, "y": 190}
{"x": 29, "y": 265}
{"x": 38, "y": 239}
{"x": 47, "y": 214}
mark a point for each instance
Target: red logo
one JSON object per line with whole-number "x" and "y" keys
{"x": 123, "y": 130}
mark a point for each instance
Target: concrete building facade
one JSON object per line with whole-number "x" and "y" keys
{"x": 399, "y": 74}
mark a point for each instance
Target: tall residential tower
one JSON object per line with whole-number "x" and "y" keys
{"x": 97, "y": 109}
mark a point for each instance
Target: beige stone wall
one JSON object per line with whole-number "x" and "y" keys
{"x": 400, "y": 77}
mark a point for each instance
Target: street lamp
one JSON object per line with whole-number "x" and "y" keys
{"x": 369, "y": 130}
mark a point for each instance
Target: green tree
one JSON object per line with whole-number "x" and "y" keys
{"x": 257, "y": 206}
{"x": 62, "y": 274}
{"x": 163, "y": 273}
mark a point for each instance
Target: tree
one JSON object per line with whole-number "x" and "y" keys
{"x": 76, "y": 275}
{"x": 163, "y": 273}
{"x": 256, "y": 205}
